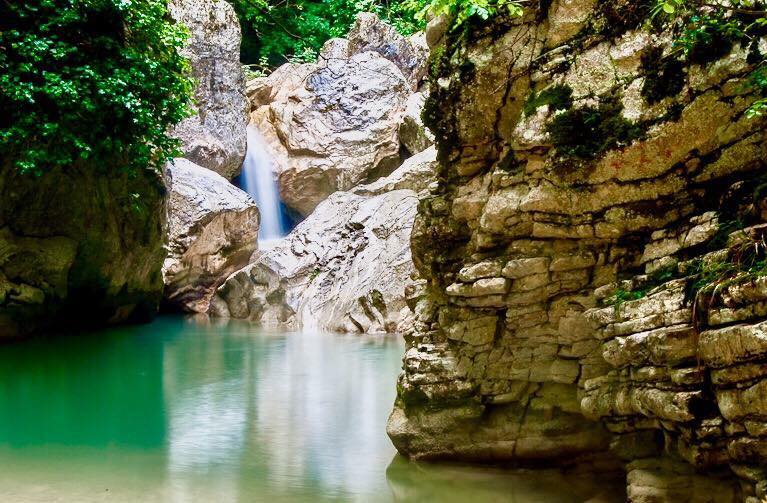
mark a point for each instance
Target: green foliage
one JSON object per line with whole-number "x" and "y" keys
{"x": 294, "y": 30}
{"x": 711, "y": 28}
{"x": 744, "y": 262}
{"x": 277, "y": 31}
{"x": 462, "y": 10}
{"x": 557, "y": 97}
{"x": 587, "y": 132}
{"x": 98, "y": 80}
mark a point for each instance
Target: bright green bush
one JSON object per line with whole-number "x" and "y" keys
{"x": 96, "y": 80}
{"x": 461, "y": 10}
{"x": 275, "y": 31}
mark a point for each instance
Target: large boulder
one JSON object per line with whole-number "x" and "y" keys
{"x": 215, "y": 136}
{"x": 255, "y": 293}
{"x": 410, "y": 54}
{"x": 79, "y": 247}
{"x": 333, "y": 125}
{"x": 345, "y": 268}
{"x": 213, "y": 231}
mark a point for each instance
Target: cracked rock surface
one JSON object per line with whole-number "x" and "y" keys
{"x": 526, "y": 345}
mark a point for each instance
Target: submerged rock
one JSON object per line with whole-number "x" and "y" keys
{"x": 79, "y": 248}
{"x": 215, "y": 136}
{"x": 345, "y": 268}
{"x": 213, "y": 228}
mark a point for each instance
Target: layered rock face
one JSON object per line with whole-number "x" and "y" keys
{"x": 79, "y": 248}
{"x": 334, "y": 124}
{"x": 215, "y": 136}
{"x": 343, "y": 269}
{"x": 576, "y": 193}
{"x": 212, "y": 232}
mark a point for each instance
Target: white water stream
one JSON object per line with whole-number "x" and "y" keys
{"x": 258, "y": 181}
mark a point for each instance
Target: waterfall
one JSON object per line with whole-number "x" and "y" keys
{"x": 258, "y": 181}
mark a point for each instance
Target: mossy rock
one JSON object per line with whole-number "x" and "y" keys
{"x": 89, "y": 242}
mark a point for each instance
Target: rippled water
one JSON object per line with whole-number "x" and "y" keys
{"x": 182, "y": 410}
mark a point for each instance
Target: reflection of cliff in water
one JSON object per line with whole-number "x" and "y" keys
{"x": 449, "y": 483}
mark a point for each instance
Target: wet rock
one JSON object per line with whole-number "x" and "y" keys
{"x": 257, "y": 294}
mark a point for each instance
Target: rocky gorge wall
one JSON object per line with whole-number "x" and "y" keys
{"x": 588, "y": 181}
{"x": 349, "y": 152}
{"x": 91, "y": 245}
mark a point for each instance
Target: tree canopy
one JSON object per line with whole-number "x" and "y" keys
{"x": 97, "y": 80}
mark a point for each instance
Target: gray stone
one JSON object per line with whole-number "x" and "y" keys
{"x": 215, "y": 136}
{"x": 212, "y": 232}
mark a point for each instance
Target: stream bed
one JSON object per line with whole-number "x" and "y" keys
{"x": 189, "y": 410}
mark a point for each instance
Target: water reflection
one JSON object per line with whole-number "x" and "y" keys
{"x": 184, "y": 410}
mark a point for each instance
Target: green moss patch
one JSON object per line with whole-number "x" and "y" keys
{"x": 587, "y": 132}
{"x": 664, "y": 77}
{"x": 558, "y": 97}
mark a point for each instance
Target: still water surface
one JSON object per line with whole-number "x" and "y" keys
{"x": 184, "y": 410}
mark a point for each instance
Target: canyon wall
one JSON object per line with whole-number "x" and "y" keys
{"x": 590, "y": 181}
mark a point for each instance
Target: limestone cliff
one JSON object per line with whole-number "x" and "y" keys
{"x": 588, "y": 176}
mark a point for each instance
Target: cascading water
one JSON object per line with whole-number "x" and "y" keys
{"x": 258, "y": 181}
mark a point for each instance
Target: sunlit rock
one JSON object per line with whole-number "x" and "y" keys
{"x": 417, "y": 173}
{"x": 369, "y": 33}
{"x": 213, "y": 227}
{"x": 333, "y": 127}
{"x": 214, "y": 137}
{"x": 344, "y": 269}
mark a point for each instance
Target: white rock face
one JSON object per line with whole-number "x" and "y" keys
{"x": 369, "y": 33}
{"x": 332, "y": 128}
{"x": 335, "y": 124}
{"x": 345, "y": 268}
{"x": 213, "y": 227}
{"x": 415, "y": 174}
{"x": 215, "y": 136}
